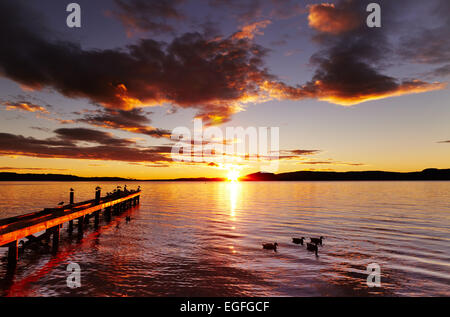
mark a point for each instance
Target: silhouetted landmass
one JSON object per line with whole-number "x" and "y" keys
{"x": 56, "y": 178}
{"x": 427, "y": 174}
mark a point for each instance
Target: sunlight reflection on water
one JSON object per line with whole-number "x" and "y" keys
{"x": 204, "y": 239}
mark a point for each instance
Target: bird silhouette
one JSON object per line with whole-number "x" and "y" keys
{"x": 298, "y": 240}
{"x": 317, "y": 240}
{"x": 312, "y": 247}
{"x": 270, "y": 246}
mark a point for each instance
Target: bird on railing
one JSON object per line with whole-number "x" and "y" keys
{"x": 98, "y": 188}
{"x": 72, "y": 190}
{"x": 61, "y": 203}
{"x": 270, "y": 246}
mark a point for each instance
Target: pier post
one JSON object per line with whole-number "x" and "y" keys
{"x": 108, "y": 213}
{"x": 98, "y": 192}
{"x": 71, "y": 196}
{"x": 70, "y": 229}
{"x": 13, "y": 253}
{"x": 55, "y": 238}
{"x": 97, "y": 218}
{"x": 80, "y": 224}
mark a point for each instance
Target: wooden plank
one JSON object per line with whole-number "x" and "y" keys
{"x": 23, "y": 228}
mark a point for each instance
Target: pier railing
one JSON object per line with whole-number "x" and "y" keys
{"x": 51, "y": 220}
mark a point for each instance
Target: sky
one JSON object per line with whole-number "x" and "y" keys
{"x": 103, "y": 99}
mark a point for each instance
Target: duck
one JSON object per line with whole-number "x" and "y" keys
{"x": 312, "y": 247}
{"x": 270, "y": 246}
{"x": 298, "y": 240}
{"x": 317, "y": 240}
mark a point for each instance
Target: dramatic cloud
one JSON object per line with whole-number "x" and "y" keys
{"x": 89, "y": 135}
{"x": 24, "y": 106}
{"x": 148, "y": 15}
{"x": 349, "y": 67}
{"x": 67, "y": 145}
{"x": 249, "y": 31}
{"x": 192, "y": 71}
{"x": 333, "y": 19}
{"x": 218, "y": 77}
{"x": 133, "y": 120}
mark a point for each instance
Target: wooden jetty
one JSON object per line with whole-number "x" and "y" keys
{"x": 51, "y": 220}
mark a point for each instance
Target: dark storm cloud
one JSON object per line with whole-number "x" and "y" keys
{"x": 148, "y": 15}
{"x": 134, "y": 120}
{"x": 89, "y": 135}
{"x": 65, "y": 145}
{"x": 349, "y": 68}
{"x": 218, "y": 76}
{"x": 192, "y": 71}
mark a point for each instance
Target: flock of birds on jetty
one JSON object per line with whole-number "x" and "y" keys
{"x": 115, "y": 193}
{"x": 312, "y": 246}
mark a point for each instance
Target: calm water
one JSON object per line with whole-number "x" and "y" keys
{"x": 204, "y": 239}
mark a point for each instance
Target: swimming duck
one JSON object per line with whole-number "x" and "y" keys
{"x": 298, "y": 240}
{"x": 317, "y": 240}
{"x": 270, "y": 246}
{"x": 312, "y": 247}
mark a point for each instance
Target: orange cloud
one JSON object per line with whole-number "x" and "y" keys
{"x": 335, "y": 94}
{"x": 249, "y": 31}
{"x": 329, "y": 18}
{"x": 24, "y": 106}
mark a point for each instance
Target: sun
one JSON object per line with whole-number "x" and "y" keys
{"x": 233, "y": 175}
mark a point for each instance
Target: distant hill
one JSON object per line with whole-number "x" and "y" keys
{"x": 56, "y": 177}
{"x": 427, "y": 174}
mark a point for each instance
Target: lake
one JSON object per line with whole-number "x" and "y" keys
{"x": 204, "y": 239}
